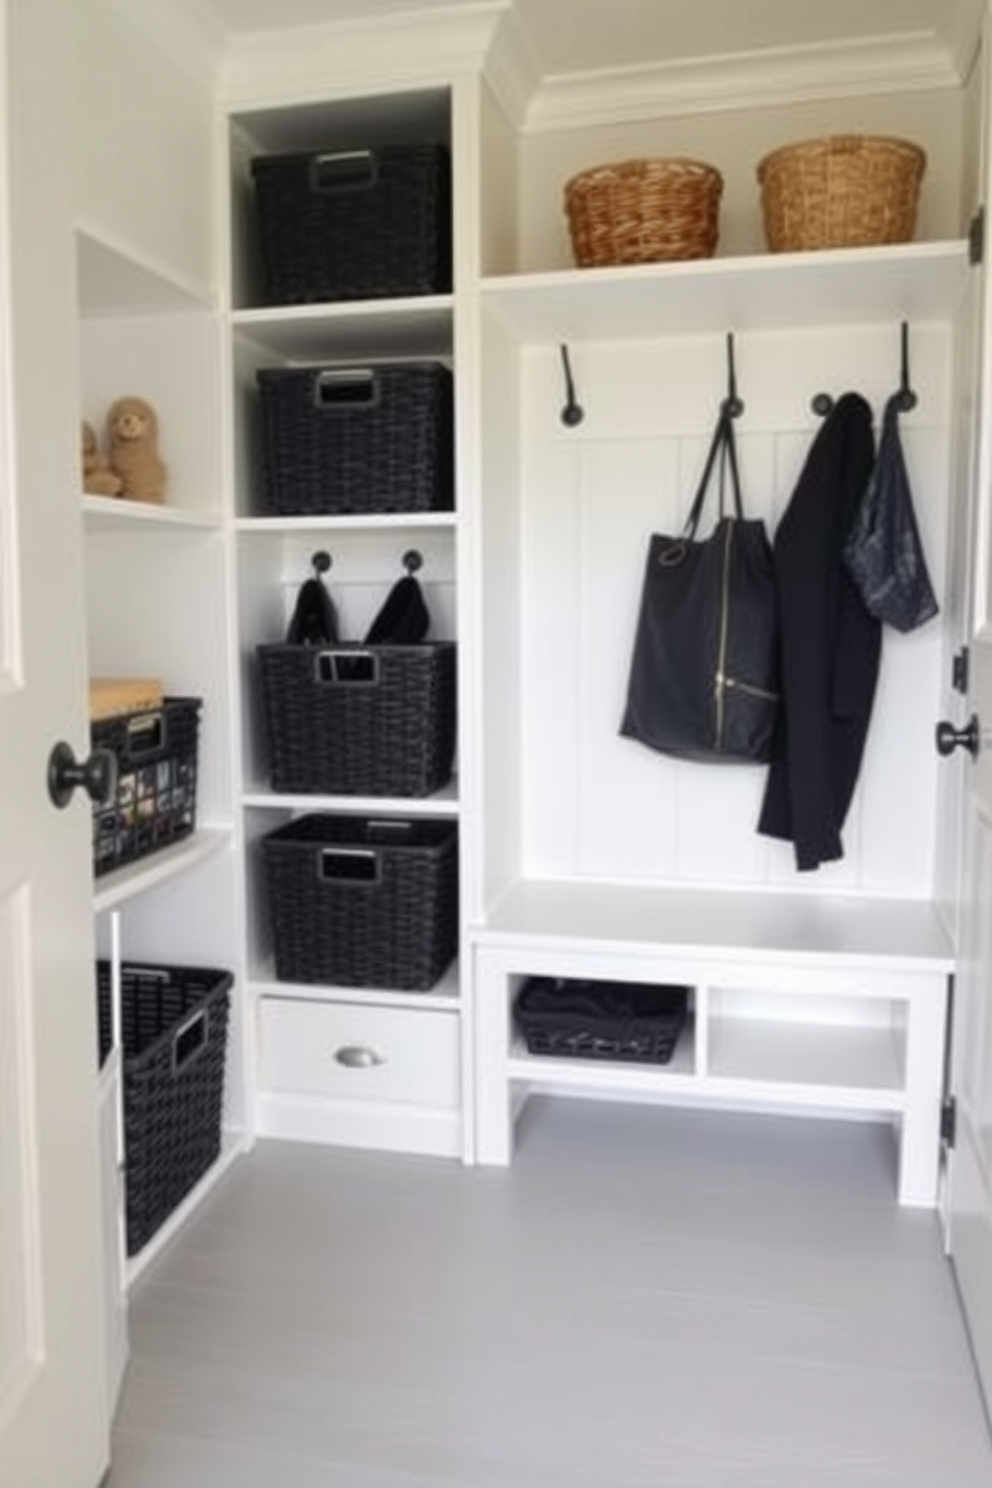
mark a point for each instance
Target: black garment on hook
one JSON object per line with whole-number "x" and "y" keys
{"x": 883, "y": 552}
{"x": 403, "y": 619}
{"x": 830, "y": 645}
{"x": 314, "y": 621}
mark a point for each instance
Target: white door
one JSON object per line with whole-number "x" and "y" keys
{"x": 53, "y": 1413}
{"x": 970, "y": 1160}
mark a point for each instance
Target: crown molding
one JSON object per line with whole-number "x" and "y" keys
{"x": 384, "y": 52}
{"x": 904, "y": 63}
{"x": 512, "y": 67}
{"x": 964, "y": 38}
{"x": 189, "y": 35}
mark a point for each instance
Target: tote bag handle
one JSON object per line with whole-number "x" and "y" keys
{"x": 723, "y": 444}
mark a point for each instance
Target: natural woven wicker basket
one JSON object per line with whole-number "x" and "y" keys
{"x": 643, "y": 211}
{"x": 843, "y": 191}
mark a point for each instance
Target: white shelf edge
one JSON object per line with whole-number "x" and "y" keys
{"x": 913, "y": 281}
{"x": 122, "y": 884}
{"x": 615, "y": 1077}
{"x": 108, "y": 513}
{"x": 419, "y": 307}
{"x": 383, "y": 330}
{"x": 444, "y": 997}
{"x": 233, "y": 1144}
{"x": 444, "y": 803}
{"x": 618, "y": 1079}
{"x": 395, "y": 521}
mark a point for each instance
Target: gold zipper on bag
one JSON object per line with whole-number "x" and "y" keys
{"x": 720, "y": 680}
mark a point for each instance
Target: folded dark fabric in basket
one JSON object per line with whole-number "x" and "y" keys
{"x": 578, "y": 1019}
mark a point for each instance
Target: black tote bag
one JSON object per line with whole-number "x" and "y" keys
{"x": 703, "y": 681}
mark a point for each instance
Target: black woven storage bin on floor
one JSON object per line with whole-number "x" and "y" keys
{"x": 155, "y": 803}
{"x": 360, "y": 902}
{"x": 353, "y": 720}
{"x": 339, "y": 440}
{"x": 575, "y": 1019}
{"x": 174, "y": 1043}
{"x": 354, "y": 224}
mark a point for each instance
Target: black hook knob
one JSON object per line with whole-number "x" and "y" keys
{"x": 97, "y": 775}
{"x": 949, "y": 738}
{"x": 572, "y": 413}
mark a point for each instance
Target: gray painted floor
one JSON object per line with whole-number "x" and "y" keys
{"x": 647, "y": 1298}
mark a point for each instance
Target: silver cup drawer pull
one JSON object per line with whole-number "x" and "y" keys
{"x": 359, "y": 1056}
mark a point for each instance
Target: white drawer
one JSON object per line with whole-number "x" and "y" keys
{"x": 349, "y": 1051}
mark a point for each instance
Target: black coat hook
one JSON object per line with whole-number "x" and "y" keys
{"x": 907, "y": 398}
{"x": 572, "y": 413}
{"x": 412, "y": 560}
{"x": 821, "y": 404}
{"x": 321, "y": 563}
{"x": 731, "y": 403}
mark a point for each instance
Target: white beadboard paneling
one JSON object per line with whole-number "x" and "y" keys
{"x": 598, "y": 805}
{"x": 548, "y": 658}
{"x": 626, "y": 794}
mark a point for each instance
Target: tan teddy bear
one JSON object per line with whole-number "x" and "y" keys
{"x": 132, "y": 437}
{"x": 98, "y": 478}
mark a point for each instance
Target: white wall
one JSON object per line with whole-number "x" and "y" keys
{"x": 143, "y": 146}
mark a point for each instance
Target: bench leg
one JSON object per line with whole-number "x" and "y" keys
{"x": 493, "y": 1117}
{"x": 919, "y": 1154}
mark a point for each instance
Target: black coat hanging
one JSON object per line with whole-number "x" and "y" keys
{"x": 830, "y": 645}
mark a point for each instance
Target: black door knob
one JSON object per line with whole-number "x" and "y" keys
{"x": 949, "y": 738}
{"x": 97, "y": 775}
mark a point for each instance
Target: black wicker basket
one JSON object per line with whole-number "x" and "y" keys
{"x": 173, "y": 1043}
{"x": 360, "y": 902}
{"x": 354, "y": 720}
{"x": 155, "y": 801}
{"x": 339, "y": 440}
{"x": 354, "y": 224}
{"x": 574, "y": 1019}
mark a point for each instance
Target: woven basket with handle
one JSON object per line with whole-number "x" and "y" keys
{"x": 843, "y": 191}
{"x": 643, "y": 211}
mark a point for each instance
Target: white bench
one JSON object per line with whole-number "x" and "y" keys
{"x": 830, "y": 1004}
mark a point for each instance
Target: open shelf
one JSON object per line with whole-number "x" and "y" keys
{"x": 109, "y": 514}
{"x": 618, "y": 1077}
{"x": 410, "y": 327}
{"x": 115, "y": 888}
{"x": 443, "y": 803}
{"x": 443, "y": 996}
{"x": 915, "y": 281}
{"x": 807, "y": 1062}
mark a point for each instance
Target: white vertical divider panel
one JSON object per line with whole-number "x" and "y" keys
{"x": 703, "y": 1010}
{"x": 502, "y": 639}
